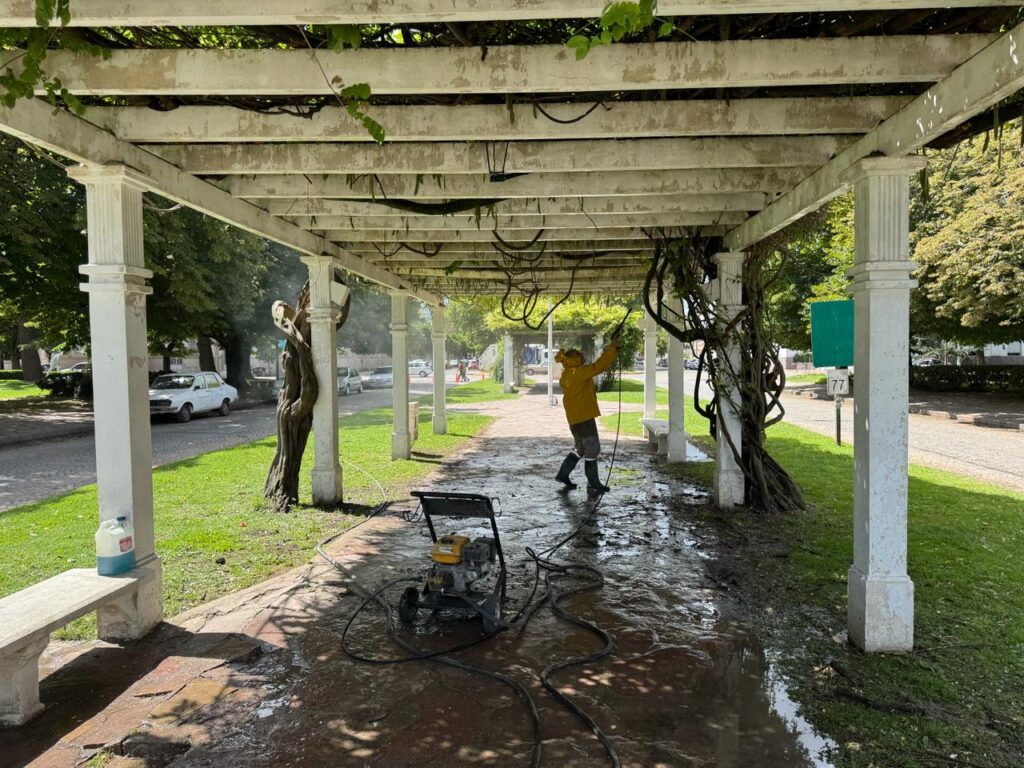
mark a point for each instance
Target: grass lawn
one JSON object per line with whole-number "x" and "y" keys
{"x": 632, "y": 392}
{"x": 211, "y": 506}
{"x": 471, "y": 392}
{"x": 14, "y": 390}
{"x": 806, "y": 378}
{"x": 956, "y": 700}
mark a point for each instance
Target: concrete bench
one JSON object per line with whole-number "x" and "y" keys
{"x": 657, "y": 434}
{"x": 28, "y": 617}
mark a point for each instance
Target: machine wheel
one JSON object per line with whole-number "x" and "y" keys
{"x": 490, "y": 626}
{"x": 225, "y": 408}
{"x": 409, "y": 605}
{"x": 184, "y": 414}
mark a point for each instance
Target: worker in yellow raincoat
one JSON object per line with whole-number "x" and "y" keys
{"x": 579, "y": 396}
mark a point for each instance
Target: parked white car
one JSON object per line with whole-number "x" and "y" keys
{"x": 349, "y": 381}
{"x": 420, "y": 368}
{"x": 381, "y": 378}
{"x": 183, "y": 394}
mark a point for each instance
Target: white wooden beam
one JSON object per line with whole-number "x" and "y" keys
{"x": 597, "y": 222}
{"x": 392, "y": 252}
{"x": 513, "y": 69}
{"x": 70, "y": 136}
{"x": 988, "y": 78}
{"x": 592, "y": 155}
{"x": 584, "y": 271}
{"x": 616, "y": 120}
{"x": 187, "y": 13}
{"x": 481, "y": 236}
{"x": 739, "y": 201}
{"x": 478, "y": 187}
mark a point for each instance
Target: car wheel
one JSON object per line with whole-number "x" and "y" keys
{"x": 185, "y": 414}
{"x": 360, "y": 390}
{"x": 348, "y": 390}
{"x": 225, "y": 408}
{"x": 423, "y": 374}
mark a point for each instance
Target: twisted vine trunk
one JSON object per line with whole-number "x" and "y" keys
{"x": 294, "y": 403}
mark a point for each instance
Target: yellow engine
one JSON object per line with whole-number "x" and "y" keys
{"x": 448, "y": 549}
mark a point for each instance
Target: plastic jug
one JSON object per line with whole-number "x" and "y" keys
{"x": 115, "y": 547}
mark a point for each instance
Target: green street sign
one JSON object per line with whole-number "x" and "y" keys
{"x": 832, "y": 333}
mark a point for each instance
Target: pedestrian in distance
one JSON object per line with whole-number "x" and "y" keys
{"x": 579, "y": 398}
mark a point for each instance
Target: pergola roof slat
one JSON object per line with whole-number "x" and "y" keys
{"x": 474, "y": 122}
{"x": 147, "y": 13}
{"x": 513, "y": 69}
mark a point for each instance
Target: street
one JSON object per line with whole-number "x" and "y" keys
{"x": 992, "y": 455}
{"x": 33, "y": 471}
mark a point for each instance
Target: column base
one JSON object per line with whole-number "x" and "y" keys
{"x": 134, "y": 615}
{"x": 327, "y": 485}
{"x": 677, "y": 447}
{"x": 439, "y": 424}
{"x": 880, "y": 611}
{"x": 730, "y": 487}
{"x": 401, "y": 447}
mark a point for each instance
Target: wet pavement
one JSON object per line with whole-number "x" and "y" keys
{"x": 260, "y": 678}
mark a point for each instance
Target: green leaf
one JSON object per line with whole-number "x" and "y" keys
{"x": 580, "y": 44}
{"x": 375, "y": 129}
{"x": 356, "y": 92}
{"x": 451, "y": 268}
{"x": 666, "y": 29}
{"x": 341, "y": 36}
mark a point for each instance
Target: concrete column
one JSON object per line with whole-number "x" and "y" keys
{"x": 120, "y": 367}
{"x": 509, "y": 384}
{"x": 401, "y": 442}
{"x": 677, "y": 437}
{"x": 727, "y": 292}
{"x": 323, "y": 321}
{"x": 880, "y": 613}
{"x": 551, "y": 359}
{"x": 438, "y": 335}
{"x": 650, "y": 369}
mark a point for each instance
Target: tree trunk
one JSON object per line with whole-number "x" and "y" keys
{"x": 294, "y": 404}
{"x": 167, "y": 357}
{"x": 31, "y": 368}
{"x": 206, "y": 361}
{"x": 238, "y": 352}
{"x": 15, "y": 352}
{"x": 979, "y": 356}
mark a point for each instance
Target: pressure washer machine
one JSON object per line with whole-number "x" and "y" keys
{"x": 458, "y": 563}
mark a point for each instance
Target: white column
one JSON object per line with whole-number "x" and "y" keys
{"x": 509, "y": 384}
{"x": 880, "y": 613}
{"x": 727, "y": 292}
{"x": 120, "y": 367}
{"x": 439, "y": 332}
{"x": 650, "y": 369}
{"x": 551, "y": 359}
{"x": 677, "y": 436}
{"x": 401, "y": 443}
{"x": 323, "y": 321}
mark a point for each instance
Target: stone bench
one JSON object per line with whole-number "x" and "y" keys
{"x": 657, "y": 434}
{"x": 29, "y": 616}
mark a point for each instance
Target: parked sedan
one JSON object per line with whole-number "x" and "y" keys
{"x": 349, "y": 381}
{"x": 381, "y": 378}
{"x": 691, "y": 364}
{"x": 183, "y": 394}
{"x": 420, "y": 368}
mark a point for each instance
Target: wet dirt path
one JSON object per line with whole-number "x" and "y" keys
{"x": 686, "y": 684}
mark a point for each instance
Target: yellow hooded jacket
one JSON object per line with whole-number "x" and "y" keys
{"x": 579, "y": 395}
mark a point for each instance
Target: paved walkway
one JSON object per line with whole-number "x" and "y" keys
{"x": 991, "y": 455}
{"x": 260, "y": 679}
{"x": 39, "y": 469}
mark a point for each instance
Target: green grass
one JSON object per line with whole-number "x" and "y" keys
{"x": 15, "y": 390}
{"x": 959, "y": 693}
{"x": 806, "y": 378}
{"x": 211, "y": 506}
{"x": 471, "y": 392}
{"x": 632, "y": 392}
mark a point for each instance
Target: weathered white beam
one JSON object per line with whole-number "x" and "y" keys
{"x": 507, "y": 157}
{"x": 513, "y": 69}
{"x": 496, "y": 262}
{"x": 597, "y": 222}
{"x": 618, "y": 120}
{"x": 186, "y": 13}
{"x": 738, "y": 201}
{"x": 988, "y": 78}
{"x": 70, "y": 136}
{"x": 467, "y": 186}
{"x": 584, "y": 272}
{"x": 485, "y": 250}
{"x": 481, "y": 236}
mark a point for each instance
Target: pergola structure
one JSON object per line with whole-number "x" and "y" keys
{"x": 750, "y": 115}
